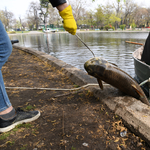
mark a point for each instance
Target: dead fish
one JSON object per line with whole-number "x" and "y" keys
{"x": 111, "y": 74}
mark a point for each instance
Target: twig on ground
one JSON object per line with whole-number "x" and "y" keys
{"x": 67, "y": 94}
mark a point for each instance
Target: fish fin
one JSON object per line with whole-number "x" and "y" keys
{"x": 100, "y": 83}
{"x": 113, "y": 64}
{"x": 140, "y": 93}
{"x": 144, "y": 99}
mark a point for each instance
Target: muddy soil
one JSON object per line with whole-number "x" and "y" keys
{"x": 69, "y": 120}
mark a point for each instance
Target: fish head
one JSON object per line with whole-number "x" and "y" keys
{"x": 96, "y": 66}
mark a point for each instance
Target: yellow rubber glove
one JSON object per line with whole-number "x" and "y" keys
{"x": 68, "y": 19}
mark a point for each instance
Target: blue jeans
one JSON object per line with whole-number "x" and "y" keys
{"x": 5, "y": 51}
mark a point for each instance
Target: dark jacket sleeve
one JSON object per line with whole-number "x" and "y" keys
{"x": 57, "y": 2}
{"x": 146, "y": 51}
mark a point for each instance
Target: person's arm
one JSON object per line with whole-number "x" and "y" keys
{"x": 65, "y": 12}
{"x": 62, "y": 6}
{"x": 56, "y": 3}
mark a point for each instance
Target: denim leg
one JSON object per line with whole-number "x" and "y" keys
{"x": 5, "y": 51}
{"x": 4, "y": 100}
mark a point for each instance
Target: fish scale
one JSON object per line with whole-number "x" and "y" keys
{"x": 111, "y": 74}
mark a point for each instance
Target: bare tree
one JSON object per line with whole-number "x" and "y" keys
{"x": 3, "y": 18}
{"x": 33, "y": 14}
{"x": 7, "y": 18}
{"x": 78, "y": 8}
{"x": 99, "y": 16}
{"x": 129, "y": 8}
{"x": 53, "y": 16}
{"x": 107, "y": 11}
{"x": 118, "y": 8}
{"x": 23, "y": 24}
{"x": 44, "y": 7}
{"x": 139, "y": 16}
{"x": 148, "y": 17}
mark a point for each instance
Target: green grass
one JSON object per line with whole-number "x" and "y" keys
{"x": 26, "y": 125}
{"x": 3, "y": 136}
{"x": 73, "y": 148}
{"x": 24, "y": 147}
{"x": 76, "y": 86}
{"x": 22, "y": 31}
{"x": 11, "y": 143}
{"x": 29, "y": 107}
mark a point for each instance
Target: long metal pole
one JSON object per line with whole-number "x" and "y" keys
{"x": 84, "y": 44}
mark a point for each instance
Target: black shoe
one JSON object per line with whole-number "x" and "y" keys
{"x": 20, "y": 118}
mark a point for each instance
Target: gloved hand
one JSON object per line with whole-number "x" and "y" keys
{"x": 68, "y": 19}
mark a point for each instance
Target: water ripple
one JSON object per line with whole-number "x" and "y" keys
{"x": 68, "y": 48}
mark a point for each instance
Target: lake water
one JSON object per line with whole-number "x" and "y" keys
{"x": 66, "y": 47}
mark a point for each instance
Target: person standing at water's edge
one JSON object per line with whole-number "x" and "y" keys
{"x": 9, "y": 116}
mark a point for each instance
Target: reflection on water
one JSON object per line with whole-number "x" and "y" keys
{"x": 66, "y": 47}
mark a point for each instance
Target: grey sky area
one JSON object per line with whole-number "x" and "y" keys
{"x": 19, "y": 7}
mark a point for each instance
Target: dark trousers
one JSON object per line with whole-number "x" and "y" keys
{"x": 146, "y": 52}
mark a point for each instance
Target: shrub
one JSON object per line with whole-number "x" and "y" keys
{"x": 113, "y": 27}
{"x": 101, "y": 28}
{"x": 122, "y": 26}
{"x": 133, "y": 25}
{"x": 107, "y": 27}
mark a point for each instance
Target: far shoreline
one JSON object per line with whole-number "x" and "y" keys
{"x": 100, "y": 31}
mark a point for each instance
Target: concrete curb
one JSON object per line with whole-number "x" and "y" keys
{"x": 134, "y": 113}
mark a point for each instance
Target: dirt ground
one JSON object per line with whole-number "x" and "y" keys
{"x": 69, "y": 120}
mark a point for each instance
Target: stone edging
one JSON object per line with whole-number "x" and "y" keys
{"x": 134, "y": 113}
